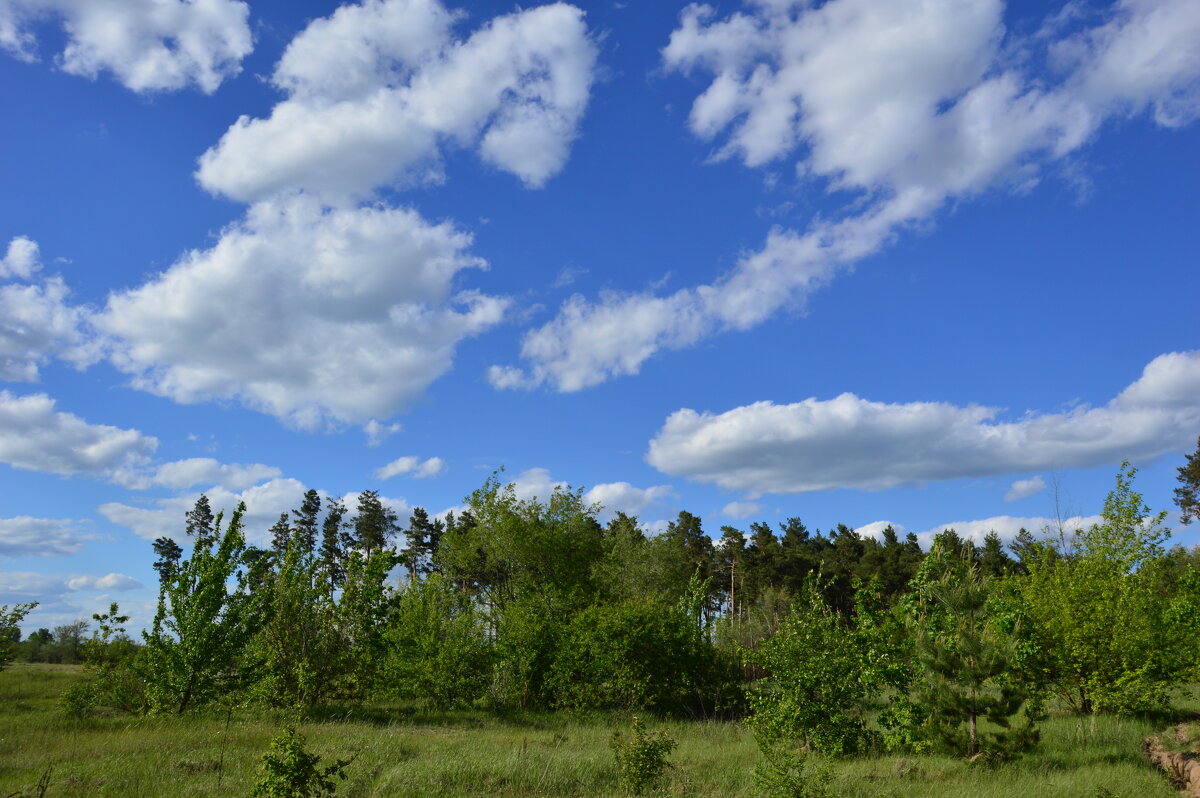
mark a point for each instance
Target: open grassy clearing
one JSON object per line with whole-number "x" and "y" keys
{"x": 404, "y": 752}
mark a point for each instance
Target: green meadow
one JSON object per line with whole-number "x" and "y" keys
{"x": 406, "y": 751}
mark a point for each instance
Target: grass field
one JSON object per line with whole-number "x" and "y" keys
{"x": 403, "y": 752}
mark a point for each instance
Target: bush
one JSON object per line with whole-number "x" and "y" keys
{"x": 642, "y": 758}
{"x": 786, "y": 774}
{"x": 290, "y": 771}
{"x": 640, "y": 653}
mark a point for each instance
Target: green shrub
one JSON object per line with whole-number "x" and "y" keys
{"x": 290, "y": 771}
{"x": 785, "y": 774}
{"x": 642, "y": 758}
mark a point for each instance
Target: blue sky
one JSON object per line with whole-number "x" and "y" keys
{"x": 926, "y": 263}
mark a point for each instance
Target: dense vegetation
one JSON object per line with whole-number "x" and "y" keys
{"x": 827, "y": 643}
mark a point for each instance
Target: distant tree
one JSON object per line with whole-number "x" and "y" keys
{"x": 421, "y": 540}
{"x": 1187, "y": 495}
{"x": 334, "y": 542}
{"x": 200, "y": 520}
{"x": 730, "y": 557}
{"x": 281, "y": 535}
{"x": 68, "y": 642}
{"x": 168, "y": 552}
{"x": 375, "y": 524}
{"x": 305, "y": 520}
{"x": 993, "y": 559}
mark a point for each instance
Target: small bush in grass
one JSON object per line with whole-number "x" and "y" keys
{"x": 642, "y": 758}
{"x": 290, "y": 771}
{"x": 785, "y": 774}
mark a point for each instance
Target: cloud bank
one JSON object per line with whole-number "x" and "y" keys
{"x": 851, "y": 442}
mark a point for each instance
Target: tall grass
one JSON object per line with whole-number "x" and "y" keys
{"x": 404, "y": 751}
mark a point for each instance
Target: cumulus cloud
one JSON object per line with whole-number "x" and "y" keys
{"x": 165, "y": 517}
{"x": 850, "y": 442}
{"x": 1006, "y": 528}
{"x": 148, "y": 45}
{"x": 36, "y": 437}
{"x": 309, "y": 313}
{"x": 905, "y": 105}
{"x": 614, "y": 497}
{"x": 374, "y": 91}
{"x": 413, "y": 466}
{"x": 741, "y": 509}
{"x": 1023, "y": 488}
{"x": 21, "y": 260}
{"x": 181, "y": 474}
{"x": 36, "y": 324}
{"x": 112, "y": 581}
{"x": 53, "y": 589}
{"x": 41, "y": 537}
{"x": 377, "y": 433}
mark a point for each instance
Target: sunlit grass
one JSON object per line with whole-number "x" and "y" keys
{"x": 404, "y": 751}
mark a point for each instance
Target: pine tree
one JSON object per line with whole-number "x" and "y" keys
{"x": 420, "y": 539}
{"x": 168, "y": 552}
{"x": 334, "y": 542}
{"x": 200, "y": 521}
{"x": 306, "y": 520}
{"x": 1186, "y": 495}
{"x": 281, "y": 535}
{"x": 375, "y": 524}
{"x": 964, "y": 664}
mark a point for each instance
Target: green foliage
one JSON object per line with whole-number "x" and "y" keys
{"x": 1101, "y": 615}
{"x": 642, "y": 758}
{"x": 639, "y": 653}
{"x": 110, "y": 662}
{"x": 203, "y": 624}
{"x": 821, "y": 674}
{"x": 437, "y": 646}
{"x": 966, "y": 668}
{"x": 1187, "y": 495}
{"x": 783, "y": 773}
{"x": 299, "y": 645}
{"x": 10, "y": 630}
{"x": 290, "y": 771}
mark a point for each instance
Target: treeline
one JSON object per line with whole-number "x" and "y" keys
{"x": 834, "y": 641}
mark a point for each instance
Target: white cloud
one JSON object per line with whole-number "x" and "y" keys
{"x": 41, "y": 537}
{"x": 375, "y": 90}
{"x": 621, "y": 497}
{"x": 1006, "y": 528}
{"x": 850, "y": 442}
{"x": 377, "y": 433}
{"x": 36, "y": 437}
{"x": 614, "y": 497}
{"x": 905, "y": 105}
{"x": 308, "y": 313}
{"x": 148, "y": 45}
{"x": 21, "y": 260}
{"x": 24, "y": 586}
{"x": 36, "y": 323}
{"x": 165, "y": 517}
{"x": 415, "y": 466}
{"x": 110, "y": 581}
{"x": 1023, "y": 488}
{"x": 180, "y": 474}
{"x": 741, "y": 509}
